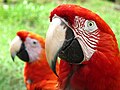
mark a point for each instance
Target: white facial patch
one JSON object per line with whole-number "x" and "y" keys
{"x": 33, "y": 48}
{"x": 87, "y": 33}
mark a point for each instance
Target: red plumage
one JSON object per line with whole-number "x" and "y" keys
{"x": 37, "y": 74}
{"x": 102, "y": 71}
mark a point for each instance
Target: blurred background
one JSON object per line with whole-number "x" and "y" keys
{"x": 33, "y": 15}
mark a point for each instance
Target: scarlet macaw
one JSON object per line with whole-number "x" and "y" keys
{"x": 30, "y": 48}
{"x": 87, "y": 47}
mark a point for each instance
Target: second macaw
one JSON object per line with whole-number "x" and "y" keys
{"x": 30, "y": 48}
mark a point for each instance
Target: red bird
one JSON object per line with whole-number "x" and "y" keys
{"x": 30, "y": 48}
{"x": 87, "y": 47}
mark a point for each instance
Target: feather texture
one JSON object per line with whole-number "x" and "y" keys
{"x": 37, "y": 74}
{"x": 102, "y": 71}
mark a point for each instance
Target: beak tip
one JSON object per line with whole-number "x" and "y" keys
{"x": 53, "y": 67}
{"x": 12, "y": 58}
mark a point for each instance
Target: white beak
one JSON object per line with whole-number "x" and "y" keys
{"x": 54, "y": 40}
{"x": 15, "y": 46}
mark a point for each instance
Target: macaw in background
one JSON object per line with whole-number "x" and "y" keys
{"x": 30, "y": 48}
{"x": 87, "y": 47}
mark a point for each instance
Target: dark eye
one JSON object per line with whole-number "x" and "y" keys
{"x": 90, "y": 24}
{"x": 34, "y": 42}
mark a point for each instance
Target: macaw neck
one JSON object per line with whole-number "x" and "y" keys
{"x": 100, "y": 65}
{"x": 66, "y": 73}
{"x": 34, "y": 72}
{"x": 37, "y": 71}
{"x": 108, "y": 45}
{"x": 86, "y": 76}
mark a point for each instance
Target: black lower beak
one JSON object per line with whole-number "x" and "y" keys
{"x": 23, "y": 54}
{"x": 72, "y": 53}
{"x": 71, "y": 50}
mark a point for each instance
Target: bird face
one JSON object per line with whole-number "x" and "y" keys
{"x": 73, "y": 34}
{"x": 26, "y": 47}
{"x": 74, "y": 44}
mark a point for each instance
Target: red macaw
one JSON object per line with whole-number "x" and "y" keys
{"x": 30, "y": 48}
{"x": 90, "y": 58}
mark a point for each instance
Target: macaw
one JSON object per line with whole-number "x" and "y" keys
{"x": 30, "y": 48}
{"x": 87, "y": 47}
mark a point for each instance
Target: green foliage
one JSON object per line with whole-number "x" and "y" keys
{"x": 35, "y": 17}
{"x": 15, "y": 17}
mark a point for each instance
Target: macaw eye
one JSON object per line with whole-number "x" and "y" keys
{"x": 90, "y": 26}
{"x": 31, "y": 43}
{"x": 34, "y": 42}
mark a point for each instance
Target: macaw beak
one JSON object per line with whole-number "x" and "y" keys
{"x": 61, "y": 42}
{"x": 17, "y": 47}
{"x": 54, "y": 41}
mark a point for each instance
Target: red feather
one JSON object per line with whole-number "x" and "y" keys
{"x": 38, "y": 75}
{"x": 102, "y": 71}
{"x": 69, "y": 11}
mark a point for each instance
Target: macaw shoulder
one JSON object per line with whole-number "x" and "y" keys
{"x": 96, "y": 74}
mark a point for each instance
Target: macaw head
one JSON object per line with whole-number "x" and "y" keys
{"x": 27, "y": 46}
{"x": 75, "y": 34}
